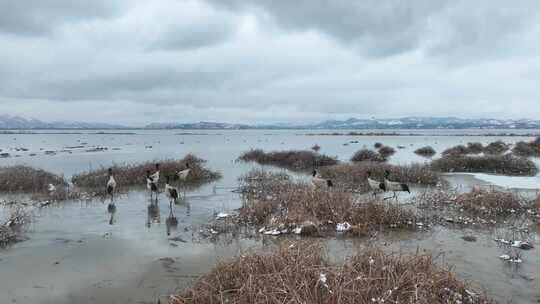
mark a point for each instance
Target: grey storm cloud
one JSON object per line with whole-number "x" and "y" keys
{"x": 268, "y": 60}
{"x": 29, "y": 17}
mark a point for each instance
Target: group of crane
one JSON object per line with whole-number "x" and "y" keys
{"x": 376, "y": 186}
{"x": 152, "y": 180}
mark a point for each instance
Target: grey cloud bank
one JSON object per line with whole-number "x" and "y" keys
{"x": 136, "y": 62}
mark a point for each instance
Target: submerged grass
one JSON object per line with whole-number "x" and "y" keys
{"x": 301, "y": 273}
{"x": 291, "y": 159}
{"x": 27, "y": 179}
{"x": 272, "y": 200}
{"x": 135, "y": 174}
{"x": 353, "y": 177}
{"x": 497, "y": 164}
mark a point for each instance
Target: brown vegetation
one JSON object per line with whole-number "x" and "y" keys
{"x": 135, "y": 174}
{"x": 475, "y": 148}
{"x": 498, "y": 164}
{"x": 12, "y": 228}
{"x": 496, "y": 147}
{"x": 489, "y": 203}
{"x": 300, "y": 273}
{"x": 426, "y": 151}
{"x": 292, "y": 159}
{"x": 527, "y": 148}
{"x": 271, "y": 200}
{"x": 386, "y": 151}
{"x": 353, "y": 177}
{"x": 24, "y": 178}
{"x": 367, "y": 155}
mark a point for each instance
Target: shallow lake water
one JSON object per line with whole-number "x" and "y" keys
{"x": 73, "y": 255}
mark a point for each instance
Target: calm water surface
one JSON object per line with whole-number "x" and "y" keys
{"x": 74, "y": 255}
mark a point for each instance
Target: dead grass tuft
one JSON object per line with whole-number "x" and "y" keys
{"x": 496, "y": 147}
{"x": 12, "y": 229}
{"x": 386, "y": 151}
{"x": 497, "y": 164}
{"x": 426, "y": 151}
{"x": 276, "y": 202}
{"x": 301, "y": 273}
{"x": 475, "y": 148}
{"x": 489, "y": 203}
{"x": 353, "y": 177}
{"x": 291, "y": 159}
{"x": 27, "y": 179}
{"x": 527, "y": 148}
{"x": 367, "y": 155}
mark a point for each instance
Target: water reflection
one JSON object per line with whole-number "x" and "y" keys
{"x": 171, "y": 222}
{"x": 153, "y": 213}
{"x": 111, "y": 208}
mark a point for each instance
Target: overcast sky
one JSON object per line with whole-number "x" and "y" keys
{"x": 139, "y": 61}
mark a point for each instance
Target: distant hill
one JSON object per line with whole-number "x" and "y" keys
{"x": 355, "y": 123}
{"x": 15, "y": 122}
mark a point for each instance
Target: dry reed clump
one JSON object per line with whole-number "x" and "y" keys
{"x": 496, "y": 147}
{"x": 426, "y": 151}
{"x": 527, "y": 148}
{"x": 353, "y": 177}
{"x": 386, "y": 151}
{"x": 475, "y": 148}
{"x": 281, "y": 204}
{"x": 367, "y": 155}
{"x": 13, "y": 227}
{"x": 135, "y": 174}
{"x": 489, "y": 203}
{"x": 455, "y": 151}
{"x": 497, "y": 164}
{"x": 291, "y": 159}
{"x": 301, "y": 273}
{"x": 24, "y": 178}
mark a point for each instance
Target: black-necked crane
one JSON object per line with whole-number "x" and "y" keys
{"x": 183, "y": 174}
{"x": 171, "y": 192}
{"x": 394, "y": 186}
{"x": 151, "y": 184}
{"x": 375, "y": 185}
{"x": 319, "y": 182}
{"x": 155, "y": 175}
{"x": 111, "y": 184}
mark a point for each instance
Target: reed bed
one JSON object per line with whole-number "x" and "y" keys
{"x": 273, "y": 201}
{"x": 386, "y": 151}
{"x": 496, "y": 147}
{"x": 290, "y": 159}
{"x": 531, "y": 148}
{"x": 367, "y": 155}
{"x": 497, "y": 164}
{"x": 490, "y": 203}
{"x": 455, "y": 151}
{"x": 353, "y": 177}
{"x": 27, "y": 179}
{"x": 127, "y": 175}
{"x": 426, "y": 151}
{"x": 301, "y": 273}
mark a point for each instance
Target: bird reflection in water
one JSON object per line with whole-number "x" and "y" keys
{"x": 171, "y": 221}
{"x": 153, "y": 213}
{"x": 111, "y": 208}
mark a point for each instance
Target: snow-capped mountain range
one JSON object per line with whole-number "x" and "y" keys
{"x": 15, "y": 122}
